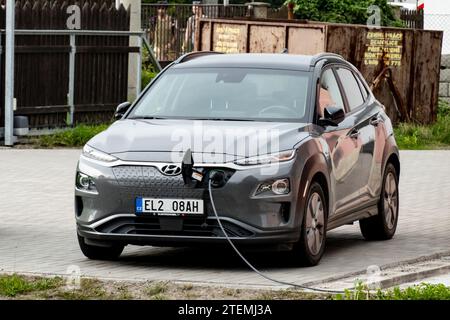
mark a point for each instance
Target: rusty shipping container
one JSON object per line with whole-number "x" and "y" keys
{"x": 401, "y": 65}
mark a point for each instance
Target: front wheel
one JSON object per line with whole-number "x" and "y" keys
{"x": 311, "y": 245}
{"x": 100, "y": 253}
{"x": 383, "y": 225}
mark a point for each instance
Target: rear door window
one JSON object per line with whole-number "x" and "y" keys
{"x": 351, "y": 88}
{"x": 329, "y": 92}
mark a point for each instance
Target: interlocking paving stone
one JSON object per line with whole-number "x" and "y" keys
{"x": 37, "y": 228}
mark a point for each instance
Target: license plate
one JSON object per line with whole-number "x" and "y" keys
{"x": 169, "y": 207}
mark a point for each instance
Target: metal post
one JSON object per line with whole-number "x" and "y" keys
{"x": 153, "y": 59}
{"x": 139, "y": 68}
{"x": 70, "y": 96}
{"x": 9, "y": 73}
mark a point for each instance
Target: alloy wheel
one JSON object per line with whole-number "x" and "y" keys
{"x": 315, "y": 218}
{"x": 390, "y": 200}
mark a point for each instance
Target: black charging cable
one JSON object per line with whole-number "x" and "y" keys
{"x": 211, "y": 178}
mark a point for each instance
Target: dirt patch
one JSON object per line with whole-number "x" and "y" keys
{"x": 126, "y": 290}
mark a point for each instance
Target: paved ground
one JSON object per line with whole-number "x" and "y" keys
{"x": 37, "y": 229}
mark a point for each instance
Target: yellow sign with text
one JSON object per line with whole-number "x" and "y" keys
{"x": 227, "y": 39}
{"x": 386, "y": 47}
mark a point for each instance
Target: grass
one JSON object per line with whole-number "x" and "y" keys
{"x": 156, "y": 291}
{"x": 14, "y": 285}
{"x": 411, "y": 136}
{"x": 72, "y": 137}
{"x": 423, "y": 291}
{"x": 26, "y": 287}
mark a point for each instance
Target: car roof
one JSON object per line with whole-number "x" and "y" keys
{"x": 250, "y": 60}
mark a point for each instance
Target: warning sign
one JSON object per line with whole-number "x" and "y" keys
{"x": 386, "y": 46}
{"x": 227, "y": 39}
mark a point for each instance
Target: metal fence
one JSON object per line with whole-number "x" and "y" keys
{"x": 412, "y": 18}
{"x": 170, "y": 28}
{"x": 65, "y": 77}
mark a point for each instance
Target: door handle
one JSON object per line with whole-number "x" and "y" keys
{"x": 354, "y": 134}
{"x": 375, "y": 121}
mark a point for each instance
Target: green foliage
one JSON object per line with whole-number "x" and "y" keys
{"x": 147, "y": 77}
{"x": 156, "y": 289}
{"x": 343, "y": 11}
{"x": 73, "y": 137}
{"x": 424, "y": 291}
{"x": 435, "y": 136}
{"x": 148, "y": 69}
{"x": 13, "y": 285}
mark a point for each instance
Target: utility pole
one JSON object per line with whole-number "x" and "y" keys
{"x": 9, "y": 73}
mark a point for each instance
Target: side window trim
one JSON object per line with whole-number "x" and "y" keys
{"x": 326, "y": 67}
{"x": 358, "y": 81}
{"x": 361, "y": 87}
{"x": 341, "y": 89}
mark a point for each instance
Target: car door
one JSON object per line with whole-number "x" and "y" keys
{"x": 344, "y": 146}
{"x": 366, "y": 131}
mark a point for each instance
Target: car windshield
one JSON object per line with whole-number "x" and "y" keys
{"x": 226, "y": 94}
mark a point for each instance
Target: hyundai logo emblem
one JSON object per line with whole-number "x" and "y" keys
{"x": 171, "y": 170}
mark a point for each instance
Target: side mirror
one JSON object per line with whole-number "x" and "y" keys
{"x": 121, "y": 110}
{"x": 332, "y": 116}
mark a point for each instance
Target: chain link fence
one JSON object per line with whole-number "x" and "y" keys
{"x": 439, "y": 22}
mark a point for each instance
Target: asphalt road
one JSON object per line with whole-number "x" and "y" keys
{"x": 37, "y": 229}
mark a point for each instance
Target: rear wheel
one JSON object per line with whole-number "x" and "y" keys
{"x": 311, "y": 245}
{"x": 383, "y": 225}
{"x": 100, "y": 253}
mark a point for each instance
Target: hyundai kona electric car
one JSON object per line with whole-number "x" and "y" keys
{"x": 291, "y": 146}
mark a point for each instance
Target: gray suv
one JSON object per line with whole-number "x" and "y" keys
{"x": 292, "y": 146}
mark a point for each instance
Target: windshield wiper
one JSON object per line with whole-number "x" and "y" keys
{"x": 146, "y": 118}
{"x": 223, "y": 119}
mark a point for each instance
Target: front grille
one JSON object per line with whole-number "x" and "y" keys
{"x": 142, "y": 181}
{"x": 189, "y": 227}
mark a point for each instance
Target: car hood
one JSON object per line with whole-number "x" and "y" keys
{"x": 153, "y": 140}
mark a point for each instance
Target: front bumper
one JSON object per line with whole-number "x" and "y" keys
{"x": 130, "y": 229}
{"x": 108, "y": 214}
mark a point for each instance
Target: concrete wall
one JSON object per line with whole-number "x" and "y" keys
{"x": 444, "y": 85}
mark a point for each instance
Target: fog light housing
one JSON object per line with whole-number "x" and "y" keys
{"x": 278, "y": 187}
{"x": 281, "y": 186}
{"x": 85, "y": 182}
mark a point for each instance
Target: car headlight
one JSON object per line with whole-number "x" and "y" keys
{"x": 95, "y": 154}
{"x": 267, "y": 158}
{"x": 85, "y": 182}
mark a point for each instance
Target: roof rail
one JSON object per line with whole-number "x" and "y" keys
{"x": 194, "y": 55}
{"x": 325, "y": 55}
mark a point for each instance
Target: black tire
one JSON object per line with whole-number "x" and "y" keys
{"x": 100, "y": 253}
{"x": 305, "y": 254}
{"x": 383, "y": 225}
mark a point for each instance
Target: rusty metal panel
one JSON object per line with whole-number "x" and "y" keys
{"x": 268, "y": 39}
{"x": 374, "y": 50}
{"x": 203, "y": 37}
{"x": 426, "y": 62}
{"x": 401, "y": 65}
{"x": 306, "y": 40}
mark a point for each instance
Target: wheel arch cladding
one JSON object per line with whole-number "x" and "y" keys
{"x": 321, "y": 179}
{"x": 315, "y": 169}
{"x": 394, "y": 159}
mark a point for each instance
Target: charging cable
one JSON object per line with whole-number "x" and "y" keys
{"x": 248, "y": 263}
